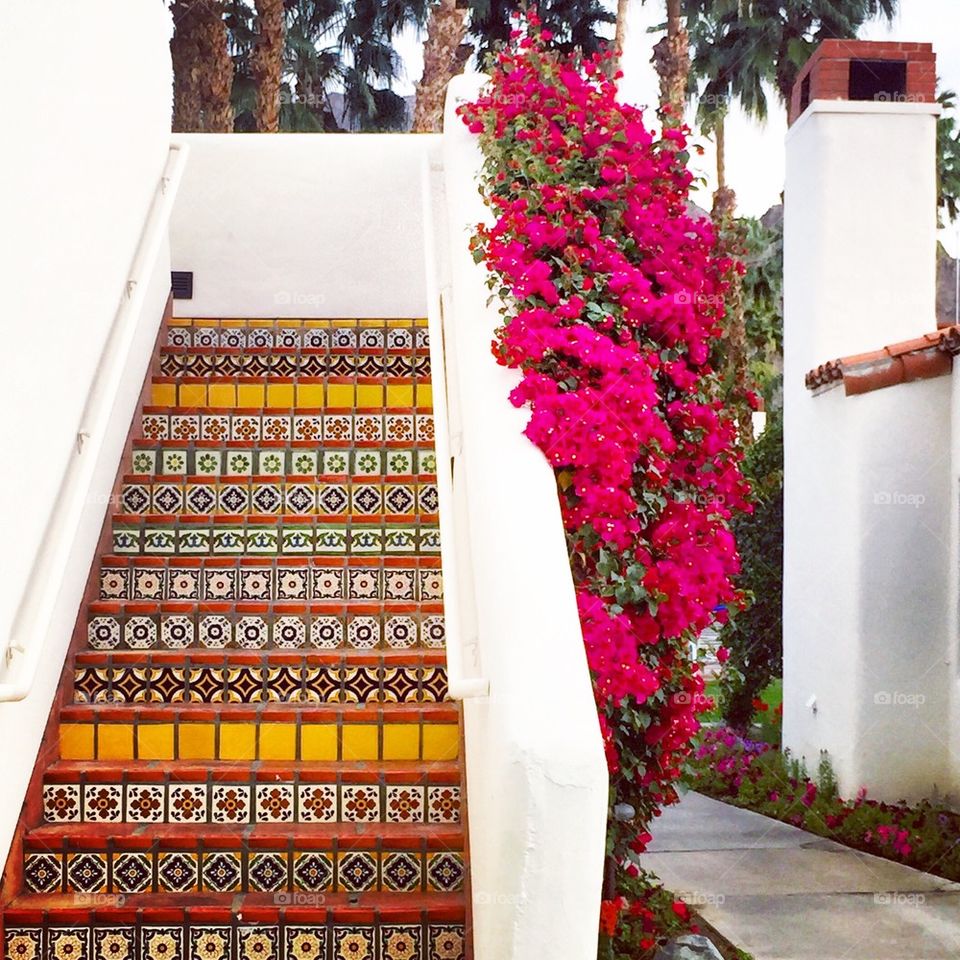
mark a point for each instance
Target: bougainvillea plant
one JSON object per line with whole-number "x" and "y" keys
{"x": 612, "y": 302}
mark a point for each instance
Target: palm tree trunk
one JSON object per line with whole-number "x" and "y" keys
{"x": 720, "y": 136}
{"x": 187, "y": 68}
{"x": 730, "y": 240}
{"x": 218, "y": 109}
{"x": 267, "y": 64}
{"x": 443, "y": 58}
{"x": 620, "y": 37}
{"x": 671, "y": 57}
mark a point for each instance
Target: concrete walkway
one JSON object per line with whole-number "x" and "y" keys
{"x": 784, "y": 894}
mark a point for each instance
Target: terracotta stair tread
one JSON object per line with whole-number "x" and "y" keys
{"x": 379, "y": 410}
{"x": 260, "y": 606}
{"x": 262, "y": 519}
{"x": 174, "y": 443}
{"x": 27, "y": 908}
{"x": 292, "y": 478}
{"x": 446, "y": 836}
{"x": 314, "y": 559}
{"x": 265, "y": 657}
{"x": 152, "y": 771}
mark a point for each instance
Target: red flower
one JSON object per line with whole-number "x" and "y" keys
{"x": 610, "y": 915}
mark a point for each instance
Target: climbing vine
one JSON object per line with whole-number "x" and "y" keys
{"x": 612, "y": 295}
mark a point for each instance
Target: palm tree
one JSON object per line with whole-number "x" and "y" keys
{"x": 267, "y": 64}
{"x": 737, "y": 46}
{"x": 671, "y": 57}
{"x": 573, "y": 24}
{"x": 444, "y": 54}
{"x": 203, "y": 70}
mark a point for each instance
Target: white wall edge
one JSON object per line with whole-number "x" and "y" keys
{"x": 537, "y": 779}
{"x": 866, "y": 107}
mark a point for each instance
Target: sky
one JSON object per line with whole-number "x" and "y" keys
{"x": 755, "y": 152}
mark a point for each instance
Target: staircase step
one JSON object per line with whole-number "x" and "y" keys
{"x": 265, "y": 732}
{"x": 256, "y": 421}
{"x": 283, "y": 364}
{"x": 211, "y": 394}
{"x": 259, "y": 625}
{"x": 206, "y": 534}
{"x": 100, "y": 858}
{"x": 294, "y": 926}
{"x": 342, "y": 579}
{"x": 245, "y": 677}
{"x": 292, "y": 334}
{"x": 183, "y": 792}
{"x": 300, "y": 495}
{"x": 215, "y": 458}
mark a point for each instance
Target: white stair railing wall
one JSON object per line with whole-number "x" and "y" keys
{"x": 537, "y": 781}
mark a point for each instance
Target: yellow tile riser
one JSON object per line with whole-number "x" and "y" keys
{"x": 285, "y": 396}
{"x": 265, "y": 741}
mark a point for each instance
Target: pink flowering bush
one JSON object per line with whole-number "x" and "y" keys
{"x": 613, "y": 300}
{"x": 754, "y": 775}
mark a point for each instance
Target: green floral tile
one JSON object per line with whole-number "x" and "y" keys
{"x": 400, "y": 461}
{"x": 270, "y": 463}
{"x": 239, "y": 463}
{"x": 173, "y": 462}
{"x": 144, "y": 461}
{"x": 367, "y": 462}
{"x": 304, "y": 462}
{"x": 208, "y": 462}
{"x": 335, "y": 462}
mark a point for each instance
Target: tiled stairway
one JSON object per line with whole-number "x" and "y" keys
{"x": 257, "y": 760}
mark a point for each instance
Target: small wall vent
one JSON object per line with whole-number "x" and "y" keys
{"x": 181, "y": 282}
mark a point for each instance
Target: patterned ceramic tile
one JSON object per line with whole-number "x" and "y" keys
{"x": 286, "y": 631}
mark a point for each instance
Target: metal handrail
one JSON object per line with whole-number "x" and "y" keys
{"x": 34, "y": 614}
{"x": 462, "y": 635}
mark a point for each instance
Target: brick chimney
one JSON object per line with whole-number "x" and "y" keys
{"x": 866, "y": 70}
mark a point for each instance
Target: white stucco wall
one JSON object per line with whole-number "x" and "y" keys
{"x": 537, "y": 780}
{"x": 302, "y": 225}
{"x": 868, "y": 632}
{"x": 86, "y": 137}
